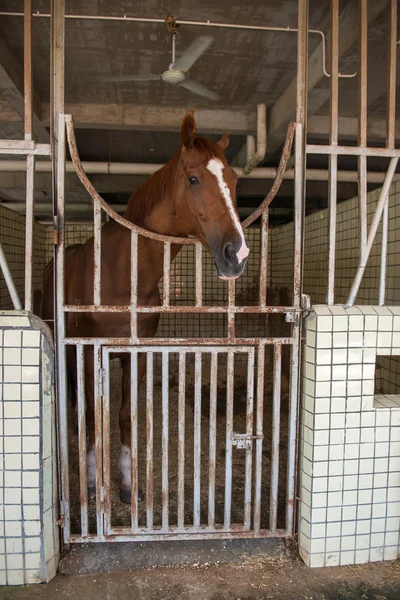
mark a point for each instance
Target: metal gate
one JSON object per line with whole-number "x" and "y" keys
{"x": 209, "y": 356}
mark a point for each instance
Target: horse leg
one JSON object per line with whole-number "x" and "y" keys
{"x": 124, "y": 462}
{"x": 89, "y": 394}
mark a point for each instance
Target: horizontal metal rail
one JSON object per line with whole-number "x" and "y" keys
{"x": 103, "y": 308}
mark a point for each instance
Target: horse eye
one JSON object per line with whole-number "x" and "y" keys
{"x": 193, "y": 180}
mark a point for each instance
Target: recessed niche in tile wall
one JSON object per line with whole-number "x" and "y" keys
{"x": 387, "y": 382}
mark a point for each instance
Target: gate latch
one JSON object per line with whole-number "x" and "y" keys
{"x": 242, "y": 441}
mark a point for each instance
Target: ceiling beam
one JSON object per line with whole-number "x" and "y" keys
{"x": 159, "y": 118}
{"x": 12, "y": 90}
{"x": 284, "y": 109}
{"x": 318, "y": 126}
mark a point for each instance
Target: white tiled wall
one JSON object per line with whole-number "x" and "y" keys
{"x": 29, "y": 545}
{"x": 350, "y": 439}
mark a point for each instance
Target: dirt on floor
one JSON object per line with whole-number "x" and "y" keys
{"x": 261, "y": 578}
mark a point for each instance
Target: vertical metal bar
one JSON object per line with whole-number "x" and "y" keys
{"x": 134, "y": 285}
{"x": 276, "y": 423}
{"x": 9, "y": 280}
{"x": 197, "y": 440}
{"x": 213, "y": 438}
{"x": 228, "y": 441}
{"x": 82, "y": 438}
{"x": 106, "y": 442}
{"x": 259, "y": 435}
{"x": 181, "y": 439}
{"x": 57, "y": 67}
{"x": 293, "y": 426}
{"x": 98, "y": 429}
{"x": 249, "y": 433}
{"x": 333, "y": 140}
{"x": 362, "y": 125}
{"x": 231, "y": 306}
{"x": 164, "y": 476}
{"x": 60, "y": 332}
{"x": 264, "y": 259}
{"x": 166, "y": 274}
{"x": 199, "y": 274}
{"x": 382, "y": 275}
{"x": 134, "y": 440}
{"x": 28, "y": 100}
{"x": 29, "y": 230}
{"x": 391, "y": 94}
{"x": 149, "y": 438}
{"x": 97, "y": 255}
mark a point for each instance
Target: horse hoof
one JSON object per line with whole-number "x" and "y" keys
{"x": 91, "y": 492}
{"x": 126, "y": 496}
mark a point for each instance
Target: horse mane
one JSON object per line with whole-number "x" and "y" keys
{"x": 162, "y": 182}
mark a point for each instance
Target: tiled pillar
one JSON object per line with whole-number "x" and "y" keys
{"x": 349, "y": 439}
{"x": 29, "y": 542}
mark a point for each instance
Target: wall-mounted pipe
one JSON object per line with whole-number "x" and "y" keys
{"x": 256, "y": 156}
{"x": 9, "y": 280}
{"x": 105, "y": 168}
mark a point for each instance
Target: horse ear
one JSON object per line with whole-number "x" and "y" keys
{"x": 188, "y": 129}
{"x": 223, "y": 143}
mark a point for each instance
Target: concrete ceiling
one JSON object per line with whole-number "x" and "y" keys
{"x": 139, "y": 121}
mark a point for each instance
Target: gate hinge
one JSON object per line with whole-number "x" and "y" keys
{"x": 305, "y": 302}
{"x": 101, "y": 382}
{"x": 243, "y": 440}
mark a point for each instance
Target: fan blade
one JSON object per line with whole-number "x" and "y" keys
{"x": 193, "y": 53}
{"x": 199, "y": 89}
{"x": 130, "y": 78}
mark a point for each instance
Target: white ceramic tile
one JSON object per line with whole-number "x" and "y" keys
{"x": 347, "y": 557}
{"x": 14, "y": 546}
{"x": 349, "y": 514}
{"x": 31, "y": 339}
{"x": 391, "y": 553}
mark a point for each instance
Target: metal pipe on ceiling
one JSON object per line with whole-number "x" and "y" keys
{"x": 105, "y": 168}
{"x": 256, "y": 156}
{"x": 127, "y": 18}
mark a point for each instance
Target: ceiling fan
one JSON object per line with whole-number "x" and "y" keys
{"x": 177, "y": 70}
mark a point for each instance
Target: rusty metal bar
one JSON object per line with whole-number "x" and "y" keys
{"x": 28, "y": 95}
{"x": 123, "y": 534}
{"x": 333, "y": 140}
{"x": 106, "y": 441}
{"x": 98, "y": 429}
{"x": 197, "y": 440}
{"x": 231, "y": 308}
{"x": 80, "y": 367}
{"x": 180, "y": 309}
{"x": 382, "y": 274}
{"x": 134, "y": 440}
{"x": 212, "y": 439}
{"x": 263, "y": 259}
{"x": 60, "y": 331}
{"x": 134, "y": 284}
{"x": 149, "y": 438}
{"x": 259, "y": 437}
{"x": 164, "y": 475}
{"x": 249, "y": 433}
{"x": 276, "y": 424}
{"x": 167, "y": 274}
{"x": 383, "y": 198}
{"x": 29, "y": 230}
{"x": 181, "y": 439}
{"x": 119, "y": 343}
{"x": 97, "y": 255}
{"x": 391, "y": 93}
{"x": 199, "y": 274}
{"x": 228, "y": 440}
{"x": 12, "y": 290}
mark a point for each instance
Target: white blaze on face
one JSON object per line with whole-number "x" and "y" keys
{"x": 216, "y": 167}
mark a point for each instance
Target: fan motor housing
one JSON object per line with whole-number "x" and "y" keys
{"x": 173, "y": 76}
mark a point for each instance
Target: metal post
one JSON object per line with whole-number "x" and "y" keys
{"x": 333, "y": 140}
{"x": 29, "y": 230}
{"x": 28, "y": 96}
{"x": 362, "y": 126}
{"x": 9, "y": 280}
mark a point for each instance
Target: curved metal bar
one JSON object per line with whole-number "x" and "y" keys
{"x": 278, "y": 179}
{"x": 76, "y": 161}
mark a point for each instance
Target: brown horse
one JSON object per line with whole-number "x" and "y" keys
{"x": 191, "y": 195}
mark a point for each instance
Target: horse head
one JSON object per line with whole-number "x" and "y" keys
{"x": 206, "y": 205}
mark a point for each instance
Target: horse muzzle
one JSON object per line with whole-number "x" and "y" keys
{"x": 231, "y": 262}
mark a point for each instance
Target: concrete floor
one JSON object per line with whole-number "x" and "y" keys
{"x": 276, "y": 576}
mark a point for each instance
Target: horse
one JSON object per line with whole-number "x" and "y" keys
{"x": 191, "y": 195}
